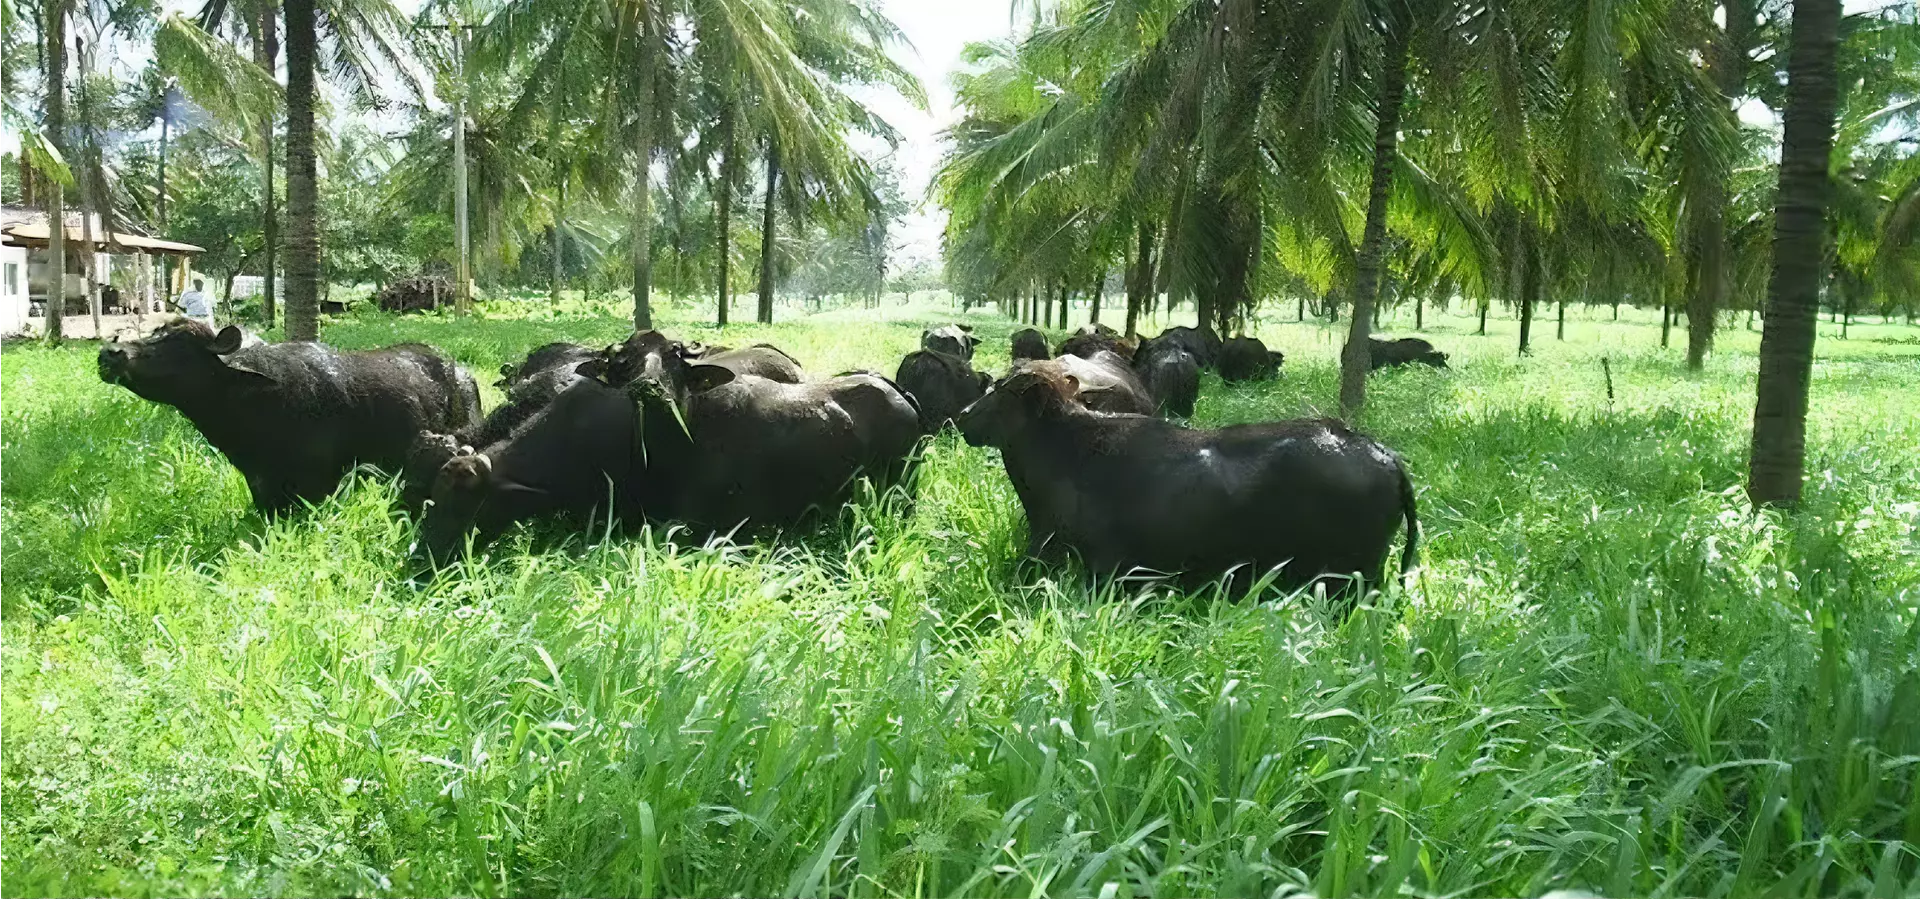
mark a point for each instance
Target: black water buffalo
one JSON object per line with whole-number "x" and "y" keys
{"x": 954, "y": 340}
{"x": 669, "y": 436}
{"x": 942, "y": 385}
{"x": 1405, "y": 351}
{"x": 1094, "y": 337}
{"x": 1131, "y": 491}
{"x": 1247, "y": 359}
{"x": 295, "y": 417}
{"x": 571, "y": 455}
{"x": 1103, "y": 383}
{"x": 544, "y": 358}
{"x": 1029, "y": 344}
{"x": 762, "y": 360}
{"x": 1171, "y": 374}
{"x": 724, "y": 450}
{"x": 530, "y": 386}
{"x": 625, "y": 361}
{"x": 1204, "y": 345}
{"x": 760, "y": 453}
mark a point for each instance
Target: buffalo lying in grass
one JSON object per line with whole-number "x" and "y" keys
{"x": 1247, "y": 359}
{"x": 1405, "y": 351}
{"x": 1092, "y": 338}
{"x": 1171, "y": 375}
{"x": 1029, "y": 344}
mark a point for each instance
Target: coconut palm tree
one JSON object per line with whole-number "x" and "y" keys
{"x": 1397, "y": 26}
{"x": 1778, "y": 458}
{"x": 621, "y": 61}
{"x": 303, "y": 238}
{"x": 362, "y": 38}
{"x": 54, "y": 31}
{"x": 239, "y": 88}
{"x": 628, "y": 61}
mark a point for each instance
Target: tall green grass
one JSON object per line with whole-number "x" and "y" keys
{"x": 1611, "y": 675}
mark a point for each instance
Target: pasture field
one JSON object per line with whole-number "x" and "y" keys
{"x": 1611, "y": 674}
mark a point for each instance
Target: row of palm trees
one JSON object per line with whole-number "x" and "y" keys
{"x": 1234, "y": 150}
{"x": 572, "y": 109}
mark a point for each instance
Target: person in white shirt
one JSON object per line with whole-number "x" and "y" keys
{"x": 196, "y": 304}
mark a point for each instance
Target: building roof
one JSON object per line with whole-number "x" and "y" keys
{"x": 23, "y": 226}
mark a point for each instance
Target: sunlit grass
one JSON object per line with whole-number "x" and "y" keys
{"x": 1611, "y": 674}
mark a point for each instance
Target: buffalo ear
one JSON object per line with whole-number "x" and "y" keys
{"x": 227, "y": 341}
{"x": 966, "y": 328}
{"x": 252, "y": 377}
{"x": 702, "y": 378}
{"x": 595, "y": 368}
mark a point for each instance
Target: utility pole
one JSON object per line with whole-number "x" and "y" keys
{"x": 462, "y": 272}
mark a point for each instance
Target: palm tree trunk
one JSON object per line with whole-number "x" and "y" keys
{"x": 1355, "y": 358}
{"x": 1529, "y": 285}
{"x": 1046, "y": 312}
{"x": 723, "y": 201}
{"x": 1066, "y": 303}
{"x": 1170, "y": 244}
{"x": 1484, "y": 303}
{"x": 1420, "y": 311}
{"x": 1142, "y": 278}
{"x": 56, "y": 79}
{"x": 1234, "y": 290}
{"x": 765, "y": 315}
{"x": 1666, "y": 316}
{"x": 1560, "y": 319}
{"x": 266, "y": 53}
{"x": 1099, "y": 283}
{"x": 1203, "y": 308}
{"x": 1727, "y": 61}
{"x": 1793, "y": 295}
{"x": 303, "y": 239}
{"x": 166, "y": 122}
{"x": 83, "y": 173}
{"x": 553, "y": 263}
{"x": 1846, "y": 308}
{"x": 1710, "y": 277}
{"x": 643, "y": 234}
{"x": 89, "y": 257}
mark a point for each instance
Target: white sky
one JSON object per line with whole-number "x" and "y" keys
{"x": 938, "y": 31}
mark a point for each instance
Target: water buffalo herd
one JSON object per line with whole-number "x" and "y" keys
{"x": 716, "y": 440}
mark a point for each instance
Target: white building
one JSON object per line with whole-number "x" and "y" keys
{"x": 13, "y": 289}
{"x": 122, "y": 264}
